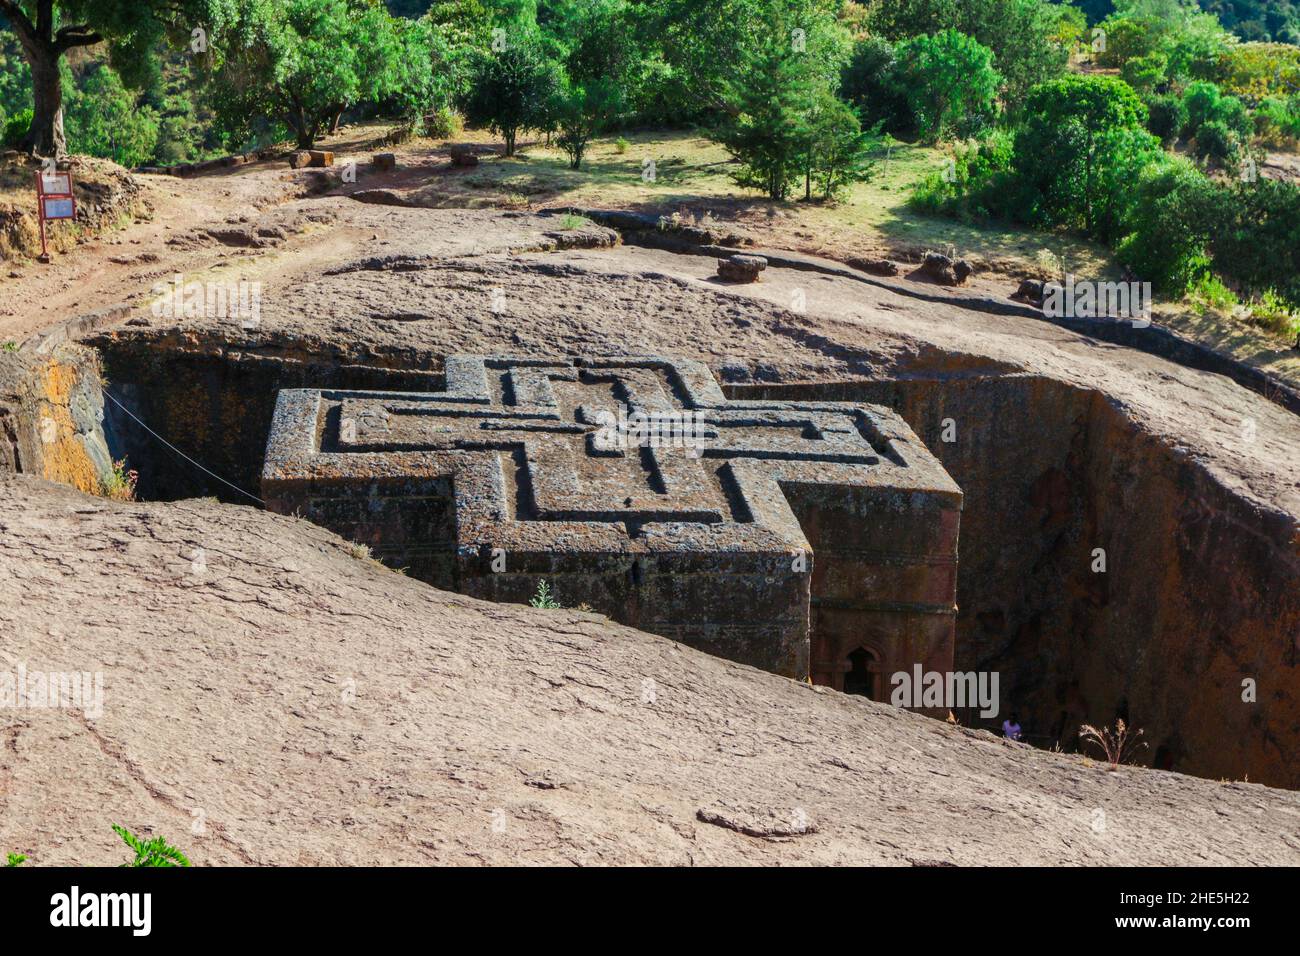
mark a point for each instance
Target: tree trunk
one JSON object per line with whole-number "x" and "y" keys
{"x": 510, "y": 142}
{"x": 45, "y": 138}
{"x": 338, "y": 118}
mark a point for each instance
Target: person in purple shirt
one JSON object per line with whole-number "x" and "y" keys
{"x": 1011, "y": 727}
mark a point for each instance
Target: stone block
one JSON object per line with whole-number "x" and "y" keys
{"x": 741, "y": 268}
{"x": 787, "y": 535}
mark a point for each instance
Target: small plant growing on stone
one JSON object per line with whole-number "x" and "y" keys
{"x": 15, "y": 859}
{"x": 570, "y": 221}
{"x": 10, "y": 346}
{"x": 120, "y": 484}
{"x": 1119, "y": 745}
{"x": 155, "y": 852}
{"x": 544, "y": 599}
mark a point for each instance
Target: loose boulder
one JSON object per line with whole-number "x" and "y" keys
{"x": 944, "y": 270}
{"x": 741, "y": 268}
{"x": 877, "y": 267}
{"x": 1030, "y": 290}
{"x": 463, "y": 156}
{"x": 299, "y": 158}
{"x": 384, "y": 161}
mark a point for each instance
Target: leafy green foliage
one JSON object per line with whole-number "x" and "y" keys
{"x": 1066, "y": 145}
{"x": 871, "y": 82}
{"x": 15, "y": 859}
{"x": 1023, "y": 34}
{"x": 16, "y": 128}
{"x": 783, "y": 120}
{"x": 154, "y": 852}
{"x": 301, "y": 63}
{"x": 582, "y": 112}
{"x": 1170, "y": 226}
{"x": 103, "y": 118}
{"x": 951, "y": 83}
{"x": 1217, "y": 144}
{"x": 514, "y": 89}
{"x": 1167, "y": 115}
{"x": 543, "y": 599}
{"x": 133, "y": 30}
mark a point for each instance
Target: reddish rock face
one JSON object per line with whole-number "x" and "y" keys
{"x": 810, "y": 539}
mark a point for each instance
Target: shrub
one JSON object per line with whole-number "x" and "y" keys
{"x": 1217, "y": 145}
{"x": 1210, "y": 292}
{"x": 1146, "y": 73}
{"x": 1277, "y": 121}
{"x": 1166, "y": 117}
{"x": 1206, "y": 103}
{"x": 1118, "y": 746}
{"x": 982, "y": 185}
{"x": 16, "y": 128}
{"x": 155, "y": 852}
{"x": 1257, "y": 244}
{"x": 443, "y": 123}
{"x": 1169, "y": 225}
{"x": 544, "y": 599}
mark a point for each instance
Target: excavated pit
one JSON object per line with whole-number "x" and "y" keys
{"x": 1200, "y": 590}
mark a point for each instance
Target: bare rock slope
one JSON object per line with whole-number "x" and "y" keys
{"x": 271, "y": 696}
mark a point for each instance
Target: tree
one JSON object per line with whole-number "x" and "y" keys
{"x": 1170, "y": 225}
{"x": 787, "y": 66}
{"x": 950, "y": 80}
{"x": 513, "y": 89}
{"x": 1062, "y": 144}
{"x": 103, "y": 119}
{"x": 1024, "y": 35}
{"x": 582, "y": 112}
{"x": 302, "y": 63}
{"x": 837, "y": 148}
{"x": 48, "y": 29}
{"x": 871, "y": 83}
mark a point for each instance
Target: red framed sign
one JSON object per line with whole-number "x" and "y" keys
{"x": 54, "y": 200}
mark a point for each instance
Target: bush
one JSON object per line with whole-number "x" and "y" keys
{"x": 1277, "y": 121}
{"x": 1146, "y": 73}
{"x": 1170, "y": 224}
{"x": 982, "y": 186}
{"x": 1217, "y": 145}
{"x": 1166, "y": 118}
{"x": 1206, "y": 103}
{"x": 1210, "y": 292}
{"x": 1257, "y": 245}
{"x": 443, "y": 123}
{"x": 16, "y": 128}
{"x": 871, "y": 83}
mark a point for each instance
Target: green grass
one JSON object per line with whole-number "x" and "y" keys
{"x": 693, "y": 174}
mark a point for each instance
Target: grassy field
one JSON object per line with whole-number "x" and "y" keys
{"x": 693, "y": 176}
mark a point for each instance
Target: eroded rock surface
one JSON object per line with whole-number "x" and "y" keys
{"x": 270, "y": 687}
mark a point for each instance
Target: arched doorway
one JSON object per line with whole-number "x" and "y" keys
{"x": 862, "y": 673}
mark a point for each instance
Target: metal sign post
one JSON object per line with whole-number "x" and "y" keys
{"x": 55, "y": 200}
